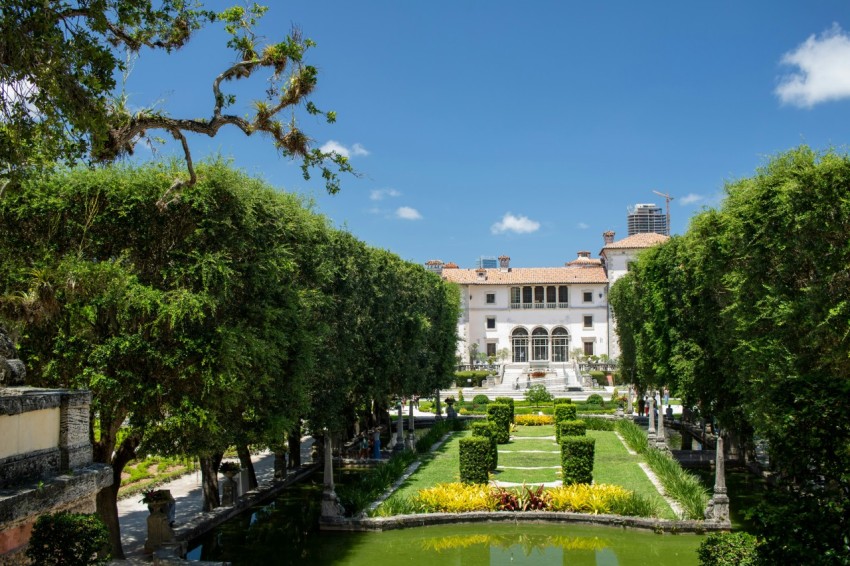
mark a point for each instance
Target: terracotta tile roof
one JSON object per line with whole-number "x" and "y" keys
{"x": 585, "y": 261}
{"x": 528, "y": 276}
{"x": 450, "y": 265}
{"x": 642, "y": 240}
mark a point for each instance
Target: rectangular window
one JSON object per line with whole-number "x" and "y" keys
{"x": 588, "y": 321}
{"x": 526, "y": 295}
{"x": 588, "y": 348}
{"x": 562, "y": 296}
{"x": 588, "y": 296}
{"x": 516, "y": 297}
{"x": 491, "y": 298}
{"x": 491, "y": 322}
{"x": 491, "y": 349}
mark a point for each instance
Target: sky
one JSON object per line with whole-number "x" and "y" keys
{"x": 528, "y": 128}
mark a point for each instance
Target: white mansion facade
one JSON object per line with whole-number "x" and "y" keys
{"x": 543, "y": 314}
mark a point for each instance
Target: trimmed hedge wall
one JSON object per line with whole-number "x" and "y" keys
{"x": 562, "y": 401}
{"x": 573, "y": 428}
{"x": 500, "y": 415}
{"x": 577, "y": 454}
{"x": 509, "y": 402}
{"x": 474, "y": 457}
{"x": 487, "y": 430}
{"x": 477, "y": 376}
{"x": 563, "y": 412}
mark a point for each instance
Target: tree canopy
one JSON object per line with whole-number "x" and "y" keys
{"x": 748, "y": 316}
{"x": 59, "y": 98}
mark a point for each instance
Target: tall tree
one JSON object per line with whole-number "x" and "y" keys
{"x": 58, "y": 98}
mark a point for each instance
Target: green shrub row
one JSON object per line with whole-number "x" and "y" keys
{"x": 577, "y": 453}
{"x": 563, "y": 412}
{"x": 596, "y": 423}
{"x": 500, "y": 415}
{"x": 477, "y": 376}
{"x": 487, "y": 430}
{"x": 474, "y": 459}
{"x": 509, "y": 402}
{"x": 562, "y": 401}
{"x": 682, "y": 486}
{"x": 436, "y": 432}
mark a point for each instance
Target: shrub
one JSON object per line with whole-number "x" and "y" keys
{"x": 440, "y": 429}
{"x": 728, "y": 549}
{"x": 598, "y": 375}
{"x": 595, "y": 399}
{"x": 577, "y": 459}
{"x": 474, "y": 457}
{"x": 454, "y": 498}
{"x": 586, "y": 498}
{"x": 534, "y": 420}
{"x": 500, "y": 416}
{"x": 523, "y": 498}
{"x": 477, "y": 376}
{"x": 480, "y": 399}
{"x": 562, "y": 401}
{"x": 510, "y": 403}
{"x": 563, "y": 412}
{"x": 69, "y": 539}
{"x": 573, "y": 428}
{"x": 596, "y": 423}
{"x": 487, "y": 430}
{"x": 538, "y": 394}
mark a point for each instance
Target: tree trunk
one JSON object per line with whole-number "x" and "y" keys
{"x": 295, "y": 447}
{"x": 107, "y": 498}
{"x": 209, "y": 480}
{"x": 245, "y": 461}
{"x": 279, "y": 463}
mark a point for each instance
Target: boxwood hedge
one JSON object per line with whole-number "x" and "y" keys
{"x": 474, "y": 458}
{"x": 577, "y": 459}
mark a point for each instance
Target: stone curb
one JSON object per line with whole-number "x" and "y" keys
{"x": 426, "y": 519}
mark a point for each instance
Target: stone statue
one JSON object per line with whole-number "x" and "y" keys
{"x": 12, "y": 370}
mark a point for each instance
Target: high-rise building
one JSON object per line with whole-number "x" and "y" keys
{"x": 647, "y": 218}
{"x": 486, "y": 262}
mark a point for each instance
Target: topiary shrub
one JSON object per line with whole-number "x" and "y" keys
{"x": 480, "y": 399}
{"x": 500, "y": 416}
{"x": 562, "y": 401}
{"x": 595, "y": 399}
{"x": 474, "y": 458}
{"x": 728, "y": 549}
{"x": 487, "y": 430}
{"x": 563, "y": 412}
{"x": 573, "y": 428}
{"x": 509, "y": 402}
{"x": 69, "y": 539}
{"x": 577, "y": 454}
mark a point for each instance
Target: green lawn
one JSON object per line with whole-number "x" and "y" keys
{"x": 612, "y": 464}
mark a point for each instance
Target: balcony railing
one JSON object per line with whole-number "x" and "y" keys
{"x": 539, "y": 305}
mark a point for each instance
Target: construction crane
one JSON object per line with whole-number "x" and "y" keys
{"x": 667, "y": 198}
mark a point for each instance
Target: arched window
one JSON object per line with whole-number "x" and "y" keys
{"x": 519, "y": 340}
{"x": 540, "y": 345}
{"x": 560, "y": 345}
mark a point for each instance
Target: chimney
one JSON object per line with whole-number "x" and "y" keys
{"x": 481, "y": 273}
{"x": 504, "y": 263}
{"x": 584, "y": 254}
{"x": 608, "y": 237}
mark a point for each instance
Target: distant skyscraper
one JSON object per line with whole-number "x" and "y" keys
{"x": 486, "y": 262}
{"x": 645, "y": 218}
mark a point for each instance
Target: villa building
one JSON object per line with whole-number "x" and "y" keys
{"x": 543, "y": 315}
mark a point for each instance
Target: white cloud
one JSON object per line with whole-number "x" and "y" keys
{"x": 333, "y": 146}
{"x": 381, "y": 194}
{"x": 582, "y": 226}
{"x": 407, "y": 213}
{"x": 691, "y": 198}
{"x": 824, "y": 70}
{"x": 518, "y": 224}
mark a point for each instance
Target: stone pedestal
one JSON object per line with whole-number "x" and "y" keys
{"x": 159, "y": 528}
{"x": 718, "y": 506}
{"x": 651, "y": 431}
{"x": 229, "y": 490}
{"x": 450, "y": 412}
{"x": 661, "y": 437}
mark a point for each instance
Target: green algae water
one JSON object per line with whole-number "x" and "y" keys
{"x": 285, "y": 532}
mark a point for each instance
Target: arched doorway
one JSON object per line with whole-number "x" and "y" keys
{"x": 519, "y": 341}
{"x": 560, "y": 345}
{"x": 540, "y": 345}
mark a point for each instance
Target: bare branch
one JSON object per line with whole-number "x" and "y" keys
{"x": 178, "y": 184}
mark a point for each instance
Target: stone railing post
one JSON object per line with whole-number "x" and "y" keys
{"x": 651, "y": 430}
{"x": 75, "y": 450}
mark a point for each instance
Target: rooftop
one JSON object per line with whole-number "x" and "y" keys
{"x": 637, "y": 241}
{"x": 527, "y": 275}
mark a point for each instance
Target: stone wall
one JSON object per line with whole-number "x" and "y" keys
{"x": 45, "y": 455}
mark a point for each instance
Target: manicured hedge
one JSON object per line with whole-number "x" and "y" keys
{"x": 510, "y": 403}
{"x": 728, "y": 549}
{"x": 488, "y": 430}
{"x": 577, "y": 459}
{"x": 563, "y": 412}
{"x": 477, "y": 376}
{"x": 562, "y": 401}
{"x": 474, "y": 457}
{"x": 480, "y": 399}
{"x": 573, "y": 428}
{"x": 70, "y": 539}
{"x": 500, "y": 415}
{"x": 596, "y": 423}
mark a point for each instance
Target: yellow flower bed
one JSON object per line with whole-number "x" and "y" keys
{"x": 586, "y": 498}
{"x": 455, "y": 498}
{"x": 534, "y": 420}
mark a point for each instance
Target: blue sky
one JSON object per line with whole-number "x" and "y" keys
{"x": 527, "y": 129}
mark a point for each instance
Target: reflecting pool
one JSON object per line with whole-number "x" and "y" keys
{"x": 285, "y": 532}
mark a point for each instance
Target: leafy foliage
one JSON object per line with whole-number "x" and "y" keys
{"x": 534, "y": 420}
{"x": 538, "y": 394}
{"x": 500, "y": 416}
{"x": 69, "y": 539}
{"x": 563, "y": 412}
{"x": 577, "y": 459}
{"x": 455, "y": 498}
{"x": 728, "y": 549}
{"x": 573, "y": 428}
{"x": 524, "y": 498}
{"x": 475, "y": 457}
{"x": 487, "y": 430}
{"x": 509, "y": 401}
